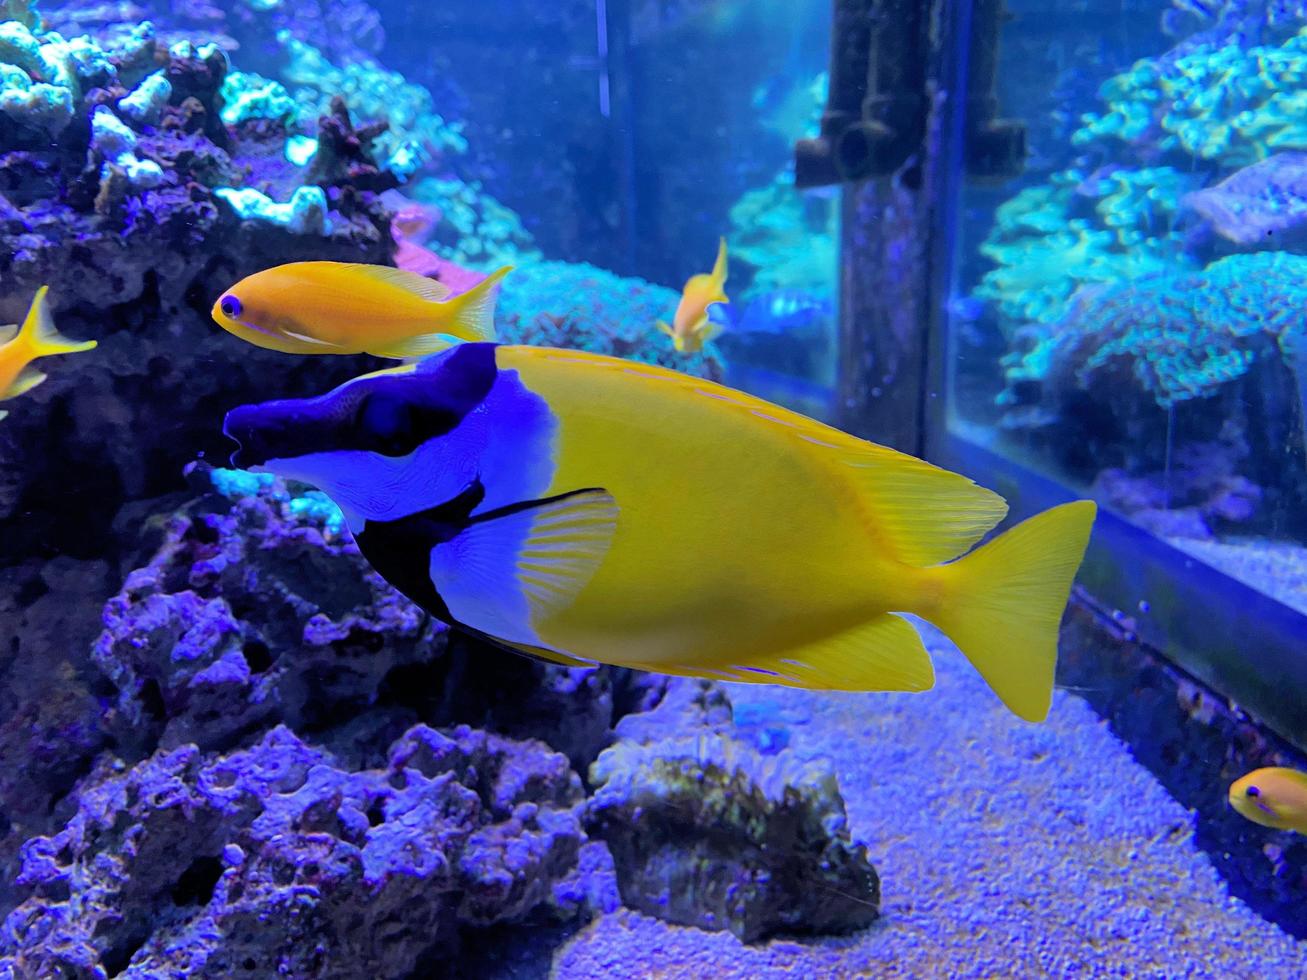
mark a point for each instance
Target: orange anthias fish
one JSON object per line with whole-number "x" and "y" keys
{"x": 348, "y": 308}
{"x": 20, "y": 347}
{"x": 1274, "y": 797}
{"x": 691, "y": 326}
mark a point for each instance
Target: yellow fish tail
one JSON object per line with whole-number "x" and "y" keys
{"x": 39, "y": 333}
{"x": 472, "y": 314}
{"x": 1002, "y": 604}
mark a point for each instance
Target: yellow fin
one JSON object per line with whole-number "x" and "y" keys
{"x": 885, "y": 654}
{"x": 924, "y": 514}
{"x": 1002, "y": 604}
{"x": 40, "y": 334}
{"x": 472, "y": 314}
{"x": 420, "y": 286}
{"x": 719, "y": 269}
{"x": 420, "y": 346}
{"x": 28, "y": 378}
{"x": 665, "y": 327}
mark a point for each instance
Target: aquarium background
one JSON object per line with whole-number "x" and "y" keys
{"x": 232, "y": 750}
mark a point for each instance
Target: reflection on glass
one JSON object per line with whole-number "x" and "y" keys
{"x": 1132, "y": 312}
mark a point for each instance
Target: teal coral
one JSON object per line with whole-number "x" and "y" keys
{"x": 144, "y": 104}
{"x": 304, "y": 214}
{"x": 1228, "y": 104}
{"x": 303, "y": 505}
{"x": 474, "y": 229}
{"x": 246, "y": 95}
{"x": 564, "y": 304}
{"x": 1182, "y": 336}
{"x": 788, "y": 238}
{"x": 1074, "y": 230}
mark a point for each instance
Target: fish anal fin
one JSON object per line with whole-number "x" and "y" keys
{"x": 28, "y": 378}
{"x": 420, "y": 346}
{"x": 420, "y": 286}
{"x": 509, "y": 571}
{"x": 883, "y": 654}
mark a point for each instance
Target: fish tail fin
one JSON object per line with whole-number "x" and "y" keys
{"x": 472, "y": 314}
{"x": 719, "y": 267}
{"x": 1002, "y": 604}
{"x": 40, "y": 335}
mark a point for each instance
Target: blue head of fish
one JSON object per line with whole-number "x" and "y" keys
{"x": 390, "y": 445}
{"x": 387, "y": 414}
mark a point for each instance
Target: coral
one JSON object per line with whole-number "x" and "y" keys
{"x": 417, "y": 134}
{"x": 304, "y": 214}
{"x": 1178, "y": 336}
{"x": 561, "y": 304}
{"x": 1264, "y": 205}
{"x": 249, "y": 96}
{"x": 280, "y": 859}
{"x": 705, "y": 831}
{"x": 115, "y": 144}
{"x": 145, "y": 103}
{"x": 788, "y": 239}
{"x": 343, "y": 156}
{"x": 1080, "y": 229}
{"x": 473, "y": 228}
{"x": 1230, "y": 104}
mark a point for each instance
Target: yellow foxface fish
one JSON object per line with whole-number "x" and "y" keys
{"x": 587, "y": 509}
{"x": 349, "y": 308}
{"x": 1274, "y": 797}
{"x": 691, "y": 327}
{"x": 19, "y": 347}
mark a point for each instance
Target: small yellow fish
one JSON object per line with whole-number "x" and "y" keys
{"x": 691, "y": 327}
{"x": 20, "y": 347}
{"x": 1274, "y": 797}
{"x": 350, "y": 308}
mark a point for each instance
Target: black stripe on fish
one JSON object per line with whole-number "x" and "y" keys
{"x": 400, "y": 551}
{"x": 388, "y": 414}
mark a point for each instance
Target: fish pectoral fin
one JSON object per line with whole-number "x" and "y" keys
{"x": 431, "y": 290}
{"x": 666, "y": 328}
{"x": 28, "y": 378}
{"x": 706, "y": 329}
{"x": 3, "y": 415}
{"x": 423, "y": 345}
{"x": 312, "y": 341}
{"x": 510, "y": 569}
{"x": 884, "y": 654}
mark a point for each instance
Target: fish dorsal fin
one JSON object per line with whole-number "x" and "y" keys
{"x": 719, "y": 267}
{"x": 509, "y": 570}
{"x": 28, "y": 378}
{"x": 884, "y": 654}
{"x": 920, "y": 514}
{"x": 430, "y": 290}
{"x": 8, "y": 332}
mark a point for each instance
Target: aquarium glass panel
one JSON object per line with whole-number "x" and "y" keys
{"x": 1128, "y": 314}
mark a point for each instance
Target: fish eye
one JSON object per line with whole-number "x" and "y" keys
{"x": 230, "y": 306}
{"x": 1253, "y": 791}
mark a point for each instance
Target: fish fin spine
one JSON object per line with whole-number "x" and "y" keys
{"x": 719, "y": 268}
{"x": 473, "y": 312}
{"x": 1002, "y": 604}
{"x": 666, "y": 328}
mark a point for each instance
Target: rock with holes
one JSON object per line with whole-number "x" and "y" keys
{"x": 278, "y": 860}
{"x": 706, "y": 831}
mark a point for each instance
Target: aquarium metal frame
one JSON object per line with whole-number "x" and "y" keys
{"x": 1247, "y": 646}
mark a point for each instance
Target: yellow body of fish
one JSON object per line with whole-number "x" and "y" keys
{"x": 349, "y": 308}
{"x": 19, "y": 347}
{"x": 1273, "y": 797}
{"x": 691, "y": 328}
{"x": 757, "y": 544}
